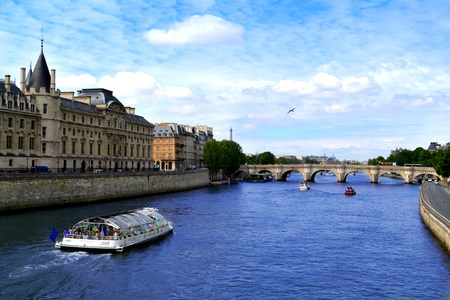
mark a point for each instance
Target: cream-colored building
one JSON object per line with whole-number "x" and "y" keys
{"x": 67, "y": 131}
{"x": 180, "y": 146}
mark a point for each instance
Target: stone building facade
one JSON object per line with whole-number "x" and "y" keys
{"x": 180, "y": 146}
{"x": 68, "y": 132}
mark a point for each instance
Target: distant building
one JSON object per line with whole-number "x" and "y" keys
{"x": 398, "y": 150}
{"x": 434, "y": 146}
{"x": 179, "y": 146}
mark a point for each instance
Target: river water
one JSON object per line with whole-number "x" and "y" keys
{"x": 241, "y": 241}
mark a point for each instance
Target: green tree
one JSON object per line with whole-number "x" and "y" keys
{"x": 213, "y": 156}
{"x": 223, "y": 155}
{"x": 266, "y": 158}
{"x": 232, "y": 156}
{"x": 442, "y": 163}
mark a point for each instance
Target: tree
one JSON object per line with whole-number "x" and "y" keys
{"x": 232, "y": 156}
{"x": 442, "y": 165}
{"x": 266, "y": 158}
{"x": 212, "y": 156}
{"x": 224, "y": 154}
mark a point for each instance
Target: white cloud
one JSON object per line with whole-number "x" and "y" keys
{"x": 248, "y": 127}
{"x": 262, "y": 117}
{"x": 197, "y": 30}
{"x": 324, "y": 85}
{"x": 77, "y": 81}
{"x": 334, "y": 109}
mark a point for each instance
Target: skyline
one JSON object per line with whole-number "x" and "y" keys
{"x": 364, "y": 78}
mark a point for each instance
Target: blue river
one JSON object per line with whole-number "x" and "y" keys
{"x": 241, "y": 241}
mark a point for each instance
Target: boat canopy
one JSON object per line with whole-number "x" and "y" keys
{"x": 126, "y": 219}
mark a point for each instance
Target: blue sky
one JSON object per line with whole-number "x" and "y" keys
{"x": 365, "y": 77}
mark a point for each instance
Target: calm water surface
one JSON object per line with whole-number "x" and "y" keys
{"x": 244, "y": 241}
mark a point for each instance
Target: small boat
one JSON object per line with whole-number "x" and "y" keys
{"x": 350, "y": 191}
{"x": 115, "y": 232}
{"x": 303, "y": 186}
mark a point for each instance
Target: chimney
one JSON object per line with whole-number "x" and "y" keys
{"x": 22, "y": 80}
{"x": 7, "y": 81}
{"x": 52, "y": 80}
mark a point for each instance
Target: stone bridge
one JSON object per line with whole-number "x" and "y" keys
{"x": 309, "y": 171}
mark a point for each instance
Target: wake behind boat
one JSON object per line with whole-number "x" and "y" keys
{"x": 115, "y": 232}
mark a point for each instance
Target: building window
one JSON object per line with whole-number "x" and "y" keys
{"x": 64, "y": 116}
{"x": 32, "y": 107}
{"x": 20, "y": 144}
{"x": 82, "y": 148}
{"x": 8, "y": 141}
{"x": 45, "y": 108}
{"x": 64, "y": 131}
{"x": 31, "y": 143}
{"x": 10, "y": 162}
{"x": 82, "y": 133}
{"x": 73, "y": 117}
{"x": 73, "y": 147}
{"x": 92, "y": 120}
{"x": 10, "y": 122}
{"x": 44, "y": 132}
{"x": 22, "y": 123}
{"x": 22, "y": 106}
{"x": 82, "y": 119}
{"x": 98, "y": 149}
{"x": 73, "y": 132}
{"x": 44, "y": 147}
{"x": 109, "y": 150}
{"x": 32, "y": 125}
{"x": 63, "y": 146}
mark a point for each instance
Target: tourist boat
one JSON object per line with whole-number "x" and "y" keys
{"x": 350, "y": 191}
{"x": 303, "y": 186}
{"x": 115, "y": 232}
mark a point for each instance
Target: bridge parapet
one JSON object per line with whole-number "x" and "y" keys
{"x": 280, "y": 172}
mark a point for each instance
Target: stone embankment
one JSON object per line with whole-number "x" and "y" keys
{"x": 438, "y": 224}
{"x": 29, "y": 191}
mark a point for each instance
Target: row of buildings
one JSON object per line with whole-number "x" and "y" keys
{"x": 87, "y": 130}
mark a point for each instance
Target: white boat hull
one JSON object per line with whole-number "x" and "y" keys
{"x": 111, "y": 245}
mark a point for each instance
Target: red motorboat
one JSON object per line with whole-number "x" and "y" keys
{"x": 350, "y": 191}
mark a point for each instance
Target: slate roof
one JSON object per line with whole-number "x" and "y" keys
{"x": 15, "y": 89}
{"x": 76, "y": 105}
{"x": 40, "y": 77}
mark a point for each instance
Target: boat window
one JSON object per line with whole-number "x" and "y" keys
{"x": 157, "y": 215}
{"x": 128, "y": 220}
{"x": 119, "y": 222}
{"x": 140, "y": 219}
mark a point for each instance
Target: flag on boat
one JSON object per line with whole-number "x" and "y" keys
{"x": 53, "y": 234}
{"x": 104, "y": 231}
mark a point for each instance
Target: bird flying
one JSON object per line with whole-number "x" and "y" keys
{"x": 291, "y": 110}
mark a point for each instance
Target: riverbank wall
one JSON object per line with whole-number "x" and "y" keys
{"x": 28, "y": 191}
{"x": 436, "y": 223}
